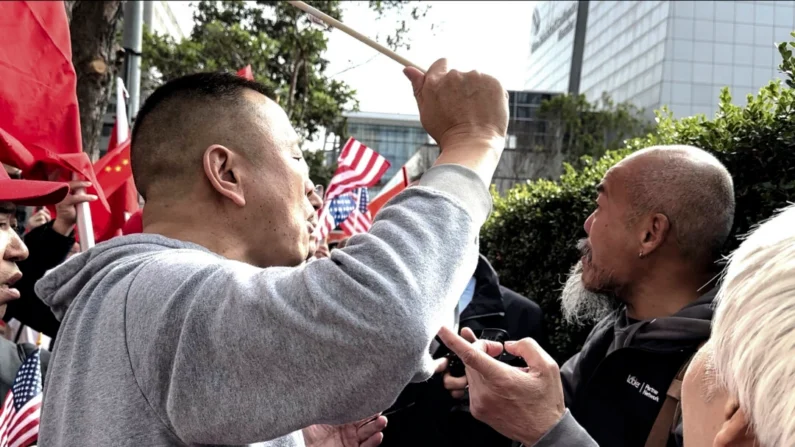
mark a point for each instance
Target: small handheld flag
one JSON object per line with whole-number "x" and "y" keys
{"x": 359, "y": 220}
{"x": 21, "y": 412}
{"x": 358, "y": 166}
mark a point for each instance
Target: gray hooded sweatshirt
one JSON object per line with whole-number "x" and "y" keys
{"x": 163, "y": 343}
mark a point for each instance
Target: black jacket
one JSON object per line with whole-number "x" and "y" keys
{"x": 616, "y": 385}
{"x": 48, "y": 249}
{"x": 11, "y": 357}
{"x": 428, "y": 415}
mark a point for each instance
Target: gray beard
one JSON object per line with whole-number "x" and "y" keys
{"x": 580, "y": 305}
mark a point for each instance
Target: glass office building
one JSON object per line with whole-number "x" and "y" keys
{"x": 654, "y": 53}
{"x": 402, "y": 140}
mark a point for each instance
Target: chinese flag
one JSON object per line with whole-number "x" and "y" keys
{"x": 246, "y": 72}
{"x": 123, "y": 203}
{"x": 114, "y": 168}
{"x": 38, "y": 99}
{"x": 114, "y": 175}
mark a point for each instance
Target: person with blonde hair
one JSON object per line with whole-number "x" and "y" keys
{"x": 739, "y": 388}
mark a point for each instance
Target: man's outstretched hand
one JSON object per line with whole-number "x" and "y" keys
{"x": 466, "y": 113}
{"x": 520, "y": 403}
{"x": 364, "y": 433}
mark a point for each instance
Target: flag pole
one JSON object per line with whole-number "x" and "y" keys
{"x": 85, "y": 228}
{"x": 122, "y": 123}
{"x": 331, "y": 21}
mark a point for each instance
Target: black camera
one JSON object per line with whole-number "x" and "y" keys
{"x": 456, "y": 366}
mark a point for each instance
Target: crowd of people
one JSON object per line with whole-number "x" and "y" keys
{"x": 223, "y": 321}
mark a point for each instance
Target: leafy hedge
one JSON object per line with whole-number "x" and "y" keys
{"x": 532, "y": 233}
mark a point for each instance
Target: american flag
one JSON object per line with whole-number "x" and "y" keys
{"x": 359, "y": 220}
{"x": 339, "y": 208}
{"x": 19, "y": 420}
{"x": 358, "y": 166}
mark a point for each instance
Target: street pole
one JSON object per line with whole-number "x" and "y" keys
{"x": 133, "y": 44}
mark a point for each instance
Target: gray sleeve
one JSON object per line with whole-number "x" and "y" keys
{"x": 234, "y": 354}
{"x": 569, "y": 378}
{"x": 567, "y": 432}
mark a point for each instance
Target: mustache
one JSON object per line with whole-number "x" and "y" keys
{"x": 584, "y": 248}
{"x": 581, "y": 306}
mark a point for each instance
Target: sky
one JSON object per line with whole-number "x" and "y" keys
{"x": 490, "y": 36}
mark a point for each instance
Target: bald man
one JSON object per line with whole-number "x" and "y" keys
{"x": 209, "y": 327}
{"x": 646, "y": 274}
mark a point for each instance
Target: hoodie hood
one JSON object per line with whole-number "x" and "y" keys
{"x": 691, "y": 325}
{"x": 118, "y": 256}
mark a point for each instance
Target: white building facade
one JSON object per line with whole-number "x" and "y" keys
{"x": 654, "y": 53}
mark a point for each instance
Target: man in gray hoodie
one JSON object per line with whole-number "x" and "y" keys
{"x": 207, "y": 328}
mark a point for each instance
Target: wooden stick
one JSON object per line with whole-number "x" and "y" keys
{"x": 331, "y": 21}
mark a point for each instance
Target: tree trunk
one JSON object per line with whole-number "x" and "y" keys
{"x": 93, "y": 26}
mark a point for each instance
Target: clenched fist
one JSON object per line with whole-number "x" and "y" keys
{"x": 466, "y": 113}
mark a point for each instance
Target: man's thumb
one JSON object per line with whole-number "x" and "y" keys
{"x": 529, "y": 350}
{"x": 416, "y": 77}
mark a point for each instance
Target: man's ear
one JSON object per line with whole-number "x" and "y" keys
{"x": 222, "y": 168}
{"x": 736, "y": 430}
{"x": 654, "y": 231}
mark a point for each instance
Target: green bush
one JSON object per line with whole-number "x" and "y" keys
{"x": 531, "y": 235}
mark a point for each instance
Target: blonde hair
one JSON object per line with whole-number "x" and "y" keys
{"x": 753, "y": 330}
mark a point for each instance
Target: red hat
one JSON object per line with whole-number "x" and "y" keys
{"x": 31, "y": 192}
{"x": 135, "y": 224}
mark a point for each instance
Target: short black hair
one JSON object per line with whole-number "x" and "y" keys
{"x": 175, "y": 113}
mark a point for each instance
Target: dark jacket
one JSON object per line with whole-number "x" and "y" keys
{"x": 427, "y": 415}
{"x": 48, "y": 249}
{"x": 11, "y": 357}
{"x": 616, "y": 385}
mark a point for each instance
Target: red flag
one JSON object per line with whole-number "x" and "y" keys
{"x": 38, "y": 99}
{"x": 114, "y": 168}
{"x": 114, "y": 174}
{"x": 246, "y": 72}
{"x": 386, "y": 196}
{"x": 123, "y": 203}
{"x": 43, "y": 164}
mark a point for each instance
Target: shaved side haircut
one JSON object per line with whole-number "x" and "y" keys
{"x": 180, "y": 120}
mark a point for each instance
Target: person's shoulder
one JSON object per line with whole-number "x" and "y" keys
{"x": 184, "y": 260}
{"x": 512, "y": 298}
